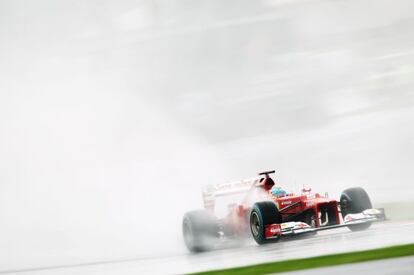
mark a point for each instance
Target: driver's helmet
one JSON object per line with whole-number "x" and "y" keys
{"x": 277, "y": 191}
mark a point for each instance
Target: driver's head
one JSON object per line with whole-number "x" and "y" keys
{"x": 277, "y": 191}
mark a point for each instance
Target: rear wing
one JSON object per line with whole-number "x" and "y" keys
{"x": 211, "y": 192}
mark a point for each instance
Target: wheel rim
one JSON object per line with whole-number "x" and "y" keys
{"x": 345, "y": 205}
{"x": 255, "y": 224}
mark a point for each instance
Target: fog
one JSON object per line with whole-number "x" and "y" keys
{"x": 114, "y": 114}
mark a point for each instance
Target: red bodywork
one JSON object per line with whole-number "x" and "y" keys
{"x": 313, "y": 209}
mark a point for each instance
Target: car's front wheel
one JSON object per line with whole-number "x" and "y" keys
{"x": 262, "y": 214}
{"x": 355, "y": 200}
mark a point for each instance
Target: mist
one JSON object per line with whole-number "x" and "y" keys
{"x": 114, "y": 114}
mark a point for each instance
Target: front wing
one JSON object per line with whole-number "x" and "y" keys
{"x": 274, "y": 231}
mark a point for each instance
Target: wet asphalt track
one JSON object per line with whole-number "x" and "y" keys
{"x": 325, "y": 242}
{"x": 400, "y": 266}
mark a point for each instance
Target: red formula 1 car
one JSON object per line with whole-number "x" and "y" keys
{"x": 268, "y": 214}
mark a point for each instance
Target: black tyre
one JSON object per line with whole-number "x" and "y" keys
{"x": 355, "y": 200}
{"x": 200, "y": 230}
{"x": 262, "y": 214}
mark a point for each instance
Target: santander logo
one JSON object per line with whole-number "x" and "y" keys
{"x": 274, "y": 230}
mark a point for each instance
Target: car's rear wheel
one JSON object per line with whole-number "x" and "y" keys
{"x": 200, "y": 230}
{"x": 262, "y": 214}
{"x": 355, "y": 200}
